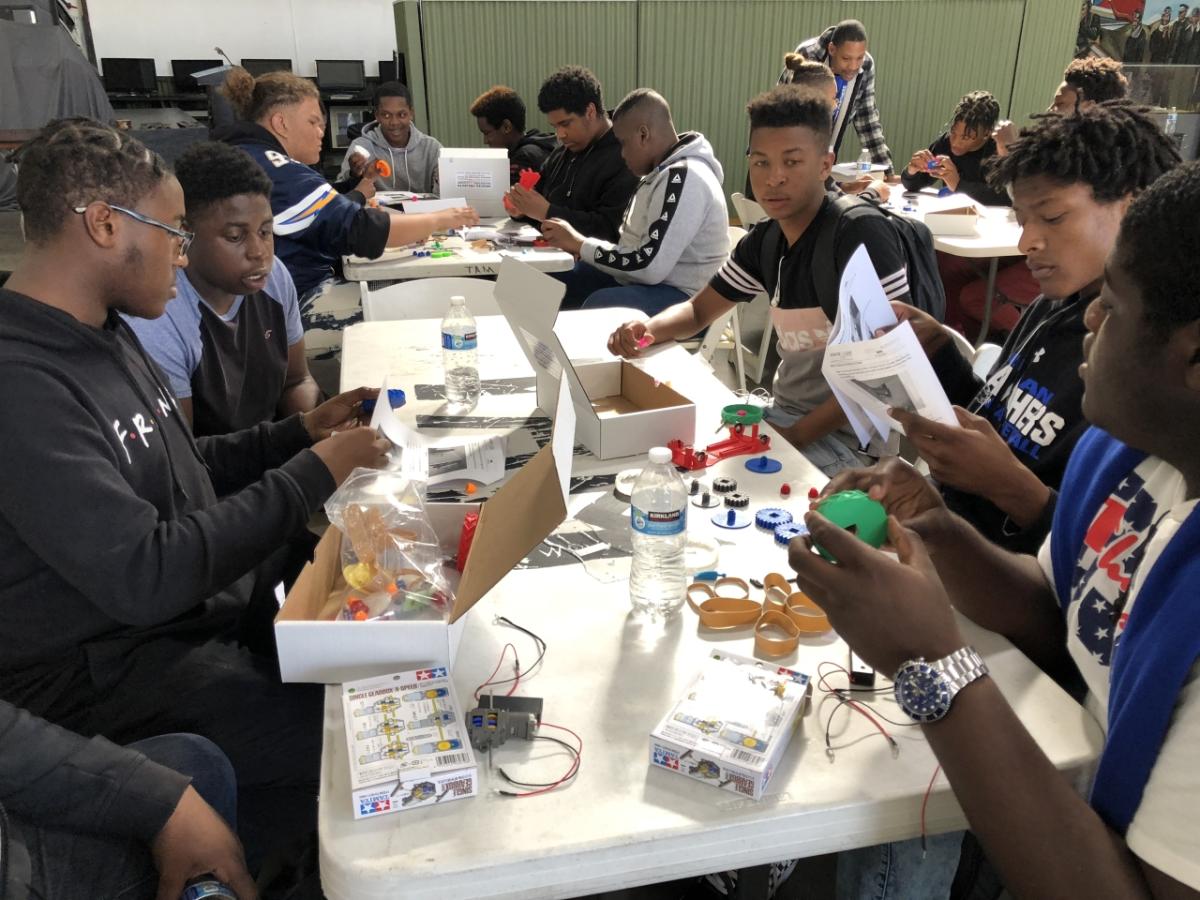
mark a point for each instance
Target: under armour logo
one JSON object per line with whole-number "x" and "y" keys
{"x": 1038, "y": 356}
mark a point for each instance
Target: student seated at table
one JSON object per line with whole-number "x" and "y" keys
{"x": 411, "y": 154}
{"x": 584, "y": 182}
{"x": 230, "y": 342}
{"x": 819, "y": 77}
{"x": 957, "y": 156}
{"x": 1087, "y": 82}
{"x": 133, "y": 602}
{"x": 789, "y": 162}
{"x": 675, "y": 233}
{"x": 281, "y": 128}
{"x": 500, "y": 116}
{"x": 1112, "y": 591}
{"x": 90, "y": 819}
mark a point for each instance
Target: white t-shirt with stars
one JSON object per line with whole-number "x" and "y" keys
{"x": 1122, "y": 544}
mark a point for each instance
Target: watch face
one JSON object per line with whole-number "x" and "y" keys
{"x": 922, "y": 692}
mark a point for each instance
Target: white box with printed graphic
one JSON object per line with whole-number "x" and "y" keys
{"x": 407, "y": 742}
{"x": 733, "y": 725}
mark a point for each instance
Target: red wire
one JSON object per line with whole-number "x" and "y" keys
{"x": 570, "y": 772}
{"x": 503, "y": 652}
{"x": 925, "y": 802}
{"x": 855, "y": 705}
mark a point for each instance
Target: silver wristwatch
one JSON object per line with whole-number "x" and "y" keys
{"x": 925, "y": 690}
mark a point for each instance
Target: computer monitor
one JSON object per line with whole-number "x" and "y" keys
{"x": 340, "y": 74}
{"x": 478, "y": 175}
{"x": 182, "y": 71}
{"x": 129, "y": 75}
{"x": 258, "y": 67}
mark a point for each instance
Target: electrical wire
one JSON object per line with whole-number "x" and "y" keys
{"x": 533, "y": 784}
{"x": 570, "y": 773}
{"x": 518, "y": 674}
{"x": 499, "y": 663}
{"x": 925, "y": 803}
{"x": 857, "y": 707}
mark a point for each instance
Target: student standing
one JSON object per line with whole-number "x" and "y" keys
{"x": 411, "y": 154}
{"x": 230, "y": 343}
{"x": 790, "y": 160}
{"x": 500, "y": 116}
{"x": 843, "y": 47}
{"x": 154, "y": 597}
{"x": 675, "y": 233}
{"x": 1112, "y": 592}
{"x": 584, "y": 182}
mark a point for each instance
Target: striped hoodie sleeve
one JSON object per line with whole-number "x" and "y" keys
{"x": 740, "y": 278}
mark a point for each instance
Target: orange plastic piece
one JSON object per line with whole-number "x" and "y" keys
{"x": 382, "y": 169}
{"x": 471, "y": 487}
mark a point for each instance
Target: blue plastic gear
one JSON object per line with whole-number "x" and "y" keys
{"x": 772, "y": 518}
{"x": 731, "y": 518}
{"x": 785, "y": 533}
{"x": 763, "y": 465}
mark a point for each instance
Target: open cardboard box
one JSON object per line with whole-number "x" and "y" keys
{"x": 956, "y": 221}
{"x": 315, "y": 646}
{"x": 619, "y": 409}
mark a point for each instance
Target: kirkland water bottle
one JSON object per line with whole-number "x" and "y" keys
{"x": 658, "y": 519}
{"x": 206, "y": 887}
{"x": 1172, "y": 121}
{"x": 459, "y": 356}
{"x": 864, "y": 163}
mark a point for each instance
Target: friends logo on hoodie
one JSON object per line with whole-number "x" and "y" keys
{"x": 140, "y": 426}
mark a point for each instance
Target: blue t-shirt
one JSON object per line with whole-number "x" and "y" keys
{"x": 174, "y": 339}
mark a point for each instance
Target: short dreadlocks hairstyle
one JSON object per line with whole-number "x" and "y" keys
{"x": 808, "y": 73}
{"x": 1096, "y": 78}
{"x": 1163, "y": 216}
{"x": 788, "y": 106}
{"x": 210, "y": 172}
{"x": 978, "y": 111}
{"x": 499, "y": 103}
{"x": 571, "y": 89}
{"x": 77, "y": 161}
{"x": 1114, "y": 148}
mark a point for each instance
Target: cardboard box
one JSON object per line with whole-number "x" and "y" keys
{"x": 958, "y": 221}
{"x": 619, "y": 409}
{"x": 313, "y": 645}
{"x": 407, "y": 743}
{"x": 733, "y": 725}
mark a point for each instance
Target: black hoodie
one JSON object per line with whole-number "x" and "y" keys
{"x": 110, "y": 525}
{"x": 590, "y": 190}
{"x": 530, "y": 152}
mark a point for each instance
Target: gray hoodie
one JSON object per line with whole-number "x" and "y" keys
{"x": 676, "y": 226}
{"x": 414, "y": 168}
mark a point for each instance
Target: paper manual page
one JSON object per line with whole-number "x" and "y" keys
{"x": 869, "y": 375}
{"x": 444, "y": 460}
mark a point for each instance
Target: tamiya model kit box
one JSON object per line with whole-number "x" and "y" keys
{"x": 732, "y": 726}
{"x": 407, "y": 742}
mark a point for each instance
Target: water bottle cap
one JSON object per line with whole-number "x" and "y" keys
{"x": 458, "y": 300}
{"x": 659, "y": 456}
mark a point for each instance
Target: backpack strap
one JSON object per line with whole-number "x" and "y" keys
{"x": 824, "y": 262}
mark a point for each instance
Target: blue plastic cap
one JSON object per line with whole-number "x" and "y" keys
{"x": 396, "y": 399}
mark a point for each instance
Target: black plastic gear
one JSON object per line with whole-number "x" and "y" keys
{"x": 737, "y": 500}
{"x": 723, "y": 485}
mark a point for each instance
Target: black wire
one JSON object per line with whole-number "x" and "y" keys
{"x": 838, "y": 692}
{"x": 528, "y": 784}
{"x": 541, "y": 645}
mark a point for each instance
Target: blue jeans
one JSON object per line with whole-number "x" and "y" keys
{"x": 62, "y": 865}
{"x": 828, "y": 453}
{"x": 900, "y": 870}
{"x": 590, "y": 288}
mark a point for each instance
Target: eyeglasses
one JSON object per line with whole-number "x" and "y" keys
{"x": 185, "y": 238}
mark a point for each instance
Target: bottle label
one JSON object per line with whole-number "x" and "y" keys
{"x": 207, "y": 890}
{"x": 459, "y": 341}
{"x": 659, "y": 524}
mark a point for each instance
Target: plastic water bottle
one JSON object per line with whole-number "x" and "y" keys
{"x": 658, "y": 519}
{"x": 1172, "y": 121}
{"x": 459, "y": 357}
{"x": 864, "y": 162}
{"x": 206, "y": 887}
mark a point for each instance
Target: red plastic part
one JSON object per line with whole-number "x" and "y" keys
{"x": 465, "y": 537}
{"x": 528, "y": 179}
{"x": 737, "y": 444}
{"x": 785, "y": 490}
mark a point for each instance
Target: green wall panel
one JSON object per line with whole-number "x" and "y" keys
{"x": 471, "y": 45}
{"x": 709, "y": 57}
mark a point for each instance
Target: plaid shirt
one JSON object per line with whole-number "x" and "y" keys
{"x": 862, "y": 112}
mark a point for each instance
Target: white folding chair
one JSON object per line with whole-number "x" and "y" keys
{"x": 426, "y": 298}
{"x": 748, "y": 212}
{"x": 726, "y": 331}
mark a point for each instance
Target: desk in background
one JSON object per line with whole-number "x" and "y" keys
{"x": 622, "y": 823}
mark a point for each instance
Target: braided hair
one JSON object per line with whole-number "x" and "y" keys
{"x": 807, "y": 73}
{"x": 1115, "y": 148}
{"x": 978, "y": 111}
{"x": 210, "y": 172}
{"x": 1163, "y": 217}
{"x": 76, "y": 161}
{"x": 253, "y": 99}
{"x": 1096, "y": 78}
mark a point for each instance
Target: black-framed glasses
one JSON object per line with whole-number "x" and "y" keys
{"x": 185, "y": 238}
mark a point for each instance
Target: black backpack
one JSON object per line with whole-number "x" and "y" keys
{"x": 924, "y": 281}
